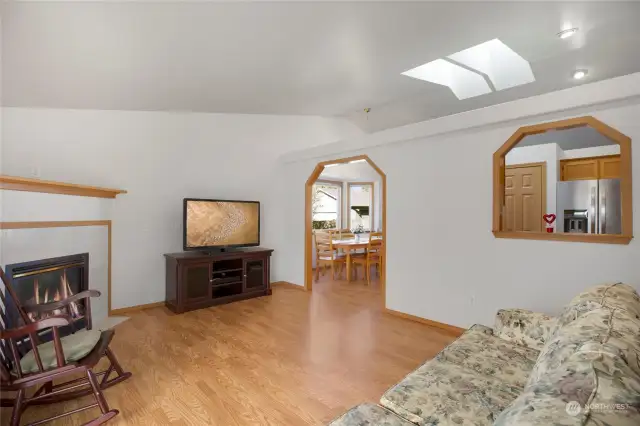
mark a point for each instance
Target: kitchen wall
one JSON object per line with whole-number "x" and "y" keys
{"x": 158, "y": 157}
{"x": 443, "y": 262}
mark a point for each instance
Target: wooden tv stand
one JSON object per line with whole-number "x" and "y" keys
{"x": 196, "y": 280}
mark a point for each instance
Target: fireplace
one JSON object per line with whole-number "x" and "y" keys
{"x": 50, "y": 280}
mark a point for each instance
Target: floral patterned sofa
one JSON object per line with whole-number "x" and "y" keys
{"x": 579, "y": 368}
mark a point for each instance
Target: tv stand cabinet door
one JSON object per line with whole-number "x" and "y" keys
{"x": 254, "y": 274}
{"x": 196, "y": 283}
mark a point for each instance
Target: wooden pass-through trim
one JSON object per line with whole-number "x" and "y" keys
{"x": 499, "y": 165}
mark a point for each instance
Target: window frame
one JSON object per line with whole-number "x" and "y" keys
{"x": 371, "y": 207}
{"x": 339, "y": 185}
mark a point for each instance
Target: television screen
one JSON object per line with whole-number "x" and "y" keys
{"x": 220, "y": 223}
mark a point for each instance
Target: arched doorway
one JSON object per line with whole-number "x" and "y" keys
{"x": 308, "y": 277}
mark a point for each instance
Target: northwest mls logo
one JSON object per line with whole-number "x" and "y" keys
{"x": 573, "y": 408}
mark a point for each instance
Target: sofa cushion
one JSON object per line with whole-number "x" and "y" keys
{"x": 369, "y": 415}
{"x": 618, "y": 296}
{"x": 593, "y": 387}
{"x": 469, "y": 383}
{"x": 480, "y": 351}
{"x": 526, "y": 328}
{"x": 603, "y": 314}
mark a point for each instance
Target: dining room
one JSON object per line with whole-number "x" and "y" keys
{"x": 346, "y": 212}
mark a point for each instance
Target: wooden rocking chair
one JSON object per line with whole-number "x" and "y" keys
{"x": 26, "y": 363}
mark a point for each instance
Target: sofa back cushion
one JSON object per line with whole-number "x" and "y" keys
{"x": 603, "y": 314}
{"x": 593, "y": 387}
{"x": 618, "y": 296}
{"x": 591, "y": 360}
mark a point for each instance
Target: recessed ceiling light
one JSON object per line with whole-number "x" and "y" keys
{"x": 580, "y": 74}
{"x": 567, "y": 33}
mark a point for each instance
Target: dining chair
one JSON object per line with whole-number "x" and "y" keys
{"x": 373, "y": 256}
{"x": 346, "y": 234}
{"x": 326, "y": 254}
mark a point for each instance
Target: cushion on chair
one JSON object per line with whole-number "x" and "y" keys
{"x": 75, "y": 346}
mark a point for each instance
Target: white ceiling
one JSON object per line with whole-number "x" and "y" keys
{"x": 320, "y": 58}
{"x": 362, "y": 172}
{"x": 576, "y": 138}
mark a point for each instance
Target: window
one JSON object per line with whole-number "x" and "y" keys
{"x": 360, "y": 206}
{"x": 326, "y": 205}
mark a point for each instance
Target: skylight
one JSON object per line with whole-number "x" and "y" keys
{"x": 478, "y": 70}
{"x": 464, "y": 83}
{"x": 504, "y": 67}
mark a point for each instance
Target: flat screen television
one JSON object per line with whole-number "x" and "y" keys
{"x": 215, "y": 224}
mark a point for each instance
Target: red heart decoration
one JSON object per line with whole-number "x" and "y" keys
{"x": 549, "y": 218}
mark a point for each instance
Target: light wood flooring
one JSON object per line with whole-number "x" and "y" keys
{"x": 294, "y": 358}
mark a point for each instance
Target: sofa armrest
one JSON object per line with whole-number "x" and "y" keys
{"x": 523, "y": 327}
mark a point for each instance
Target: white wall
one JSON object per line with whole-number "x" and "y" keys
{"x": 443, "y": 261}
{"x": 160, "y": 158}
{"x": 547, "y": 153}
{"x": 596, "y": 151}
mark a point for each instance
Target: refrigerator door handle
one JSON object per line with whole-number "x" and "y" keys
{"x": 592, "y": 211}
{"x": 603, "y": 210}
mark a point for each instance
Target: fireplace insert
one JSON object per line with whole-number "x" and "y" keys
{"x": 50, "y": 280}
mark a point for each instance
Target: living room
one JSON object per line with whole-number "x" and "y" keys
{"x": 252, "y": 101}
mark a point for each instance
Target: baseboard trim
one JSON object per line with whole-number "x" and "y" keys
{"x": 288, "y": 285}
{"x": 445, "y": 327}
{"x": 130, "y": 309}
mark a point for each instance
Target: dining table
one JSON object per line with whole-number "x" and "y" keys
{"x": 351, "y": 245}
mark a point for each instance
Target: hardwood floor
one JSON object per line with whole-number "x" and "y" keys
{"x": 294, "y": 358}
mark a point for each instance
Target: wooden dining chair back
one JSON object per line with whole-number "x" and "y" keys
{"x": 327, "y": 255}
{"x": 372, "y": 257}
{"x": 28, "y": 362}
{"x": 346, "y": 234}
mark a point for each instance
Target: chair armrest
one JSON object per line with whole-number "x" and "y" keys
{"x": 26, "y": 330}
{"x": 51, "y": 306}
{"x": 523, "y": 327}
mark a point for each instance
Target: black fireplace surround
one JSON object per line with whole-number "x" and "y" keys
{"x": 49, "y": 280}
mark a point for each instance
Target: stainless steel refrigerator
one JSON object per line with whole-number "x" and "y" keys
{"x": 589, "y": 206}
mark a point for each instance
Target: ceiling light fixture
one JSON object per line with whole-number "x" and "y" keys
{"x": 580, "y": 74}
{"x": 331, "y": 165}
{"x": 567, "y": 33}
{"x": 357, "y": 161}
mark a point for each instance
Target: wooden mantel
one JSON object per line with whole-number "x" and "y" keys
{"x": 14, "y": 183}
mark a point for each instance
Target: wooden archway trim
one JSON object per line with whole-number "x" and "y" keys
{"x": 625, "y": 182}
{"x": 308, "y": 254}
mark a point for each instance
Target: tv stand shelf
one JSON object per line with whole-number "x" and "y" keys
{"x": 196, "y": 280}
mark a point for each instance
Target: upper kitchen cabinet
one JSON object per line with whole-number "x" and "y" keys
{"x": 604, "y": 167}
{"x": 567, "y": 180}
